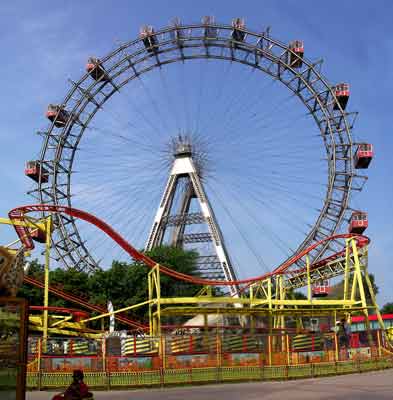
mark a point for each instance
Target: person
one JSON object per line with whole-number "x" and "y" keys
{"x": 347, "y": 332}
{"x": 342, "y": 333}
{"x": 78, "y": 390}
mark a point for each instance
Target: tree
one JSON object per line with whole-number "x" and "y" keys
{"x": 387, "y": 308}
{"x": 34, "y": 295}
{"x": 296, "y": 295}
{"x": 124, "y": 284}
{"x": 337, "y": 290}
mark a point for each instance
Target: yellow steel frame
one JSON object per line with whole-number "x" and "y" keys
{"x": 44, "y": 225}
{"x": 268, "y": 299}
{"x": 264, "y": 298}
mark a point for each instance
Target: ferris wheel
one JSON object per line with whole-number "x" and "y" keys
{"x": 271, "y": 137}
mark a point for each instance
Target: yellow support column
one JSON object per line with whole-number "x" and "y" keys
{"x": 309, "y": 293}
{"x": 150, "y": 293}
{"x": 48, "y": 227}
{"x": 270, "y": 349}
{"x": 346, "y": 271}
{"x": 281, "y": 316}
{"x": 269, "y": 298}
{"x": 154, "y": 288}
{"x": 373, "y": 299}
{"x": 358, "y": 274}
{"x": 158, "y": 291}
{"x": 336, "y": 350}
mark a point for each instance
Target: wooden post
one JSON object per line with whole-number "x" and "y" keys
{"x": 379, "y": 342}
{"x": 270, "y": 349}
{"x": 336, "y": 349}
{"x": 288, "y": 351}
{"x": 39, "y": 344}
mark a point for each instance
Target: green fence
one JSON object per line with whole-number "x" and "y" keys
{"x": 164, "y": 377}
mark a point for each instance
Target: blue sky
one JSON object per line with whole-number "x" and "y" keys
{"x": 45, "y": 43}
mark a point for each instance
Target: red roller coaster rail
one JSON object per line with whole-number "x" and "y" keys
{"x": 81, "y": 302}
{"x": 17, "y": 214}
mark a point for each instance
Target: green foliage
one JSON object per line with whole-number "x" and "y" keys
{"x": 33, "y": 294}
{"x": 124, "y": 284}
{"x": 387, "y": 308}
{"x": 338, "y": 289}
{"x": 296, "y": 295}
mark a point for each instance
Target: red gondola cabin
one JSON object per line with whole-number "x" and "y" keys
{"x": 358, "y": 223}
{"x": 150, "y": 41}
{"x": 363, "y": 156}
{"x": 341, "y": 92}
{"x": 34, "y": 171}
{"x": 297, "y": 47}
{"x": 38, "y": 235}
{"x": 238, "y": 25}
{"x": 56, "y": 114}
{"x": 321, "y": 288}
{"x": 96, "y": 70}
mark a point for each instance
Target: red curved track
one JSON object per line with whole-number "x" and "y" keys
{"x": 17, "y": 214}
{"x": 82, "y": 302}
{"x": 62, "y": 310}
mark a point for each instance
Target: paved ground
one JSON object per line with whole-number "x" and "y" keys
{"x": 366, "y": 386}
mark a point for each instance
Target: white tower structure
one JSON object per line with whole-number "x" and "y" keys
{"x": 173, "y": 218}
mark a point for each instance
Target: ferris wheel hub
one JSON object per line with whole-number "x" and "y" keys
{"x": 182, "y": 147}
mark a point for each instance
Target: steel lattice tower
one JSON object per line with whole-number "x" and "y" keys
{"x": 217, "y": 263}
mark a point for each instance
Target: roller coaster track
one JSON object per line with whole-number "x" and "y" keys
{"x": 331, "y": 266}
{"x": 81, "y": 302}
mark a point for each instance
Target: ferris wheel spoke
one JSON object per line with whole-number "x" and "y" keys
{"x": 275, "y": 188}
{"x": 236, "y": 100}
{"x": 169, "y": 99}
{"x": 263, "y": 228}
{"x": 270, "y": 133}
{"x": 117, "y": 124}
{"x": 201, "y": 95}
{"x": 234, "y": 122}
{"x": 116, "y": 217}
{"x": 155, "y": 127}
{"x": 162, "y": 116}
{"x": 119, "y": 139}
{"x": 272, "y": 190}
{"x": 217, "y": 97}
{"x": 256, "y": 255}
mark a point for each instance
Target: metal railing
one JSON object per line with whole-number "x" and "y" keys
{"x": 129, "y": 361}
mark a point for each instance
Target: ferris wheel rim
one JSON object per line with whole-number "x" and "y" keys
{"x": 335, "y": 124}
